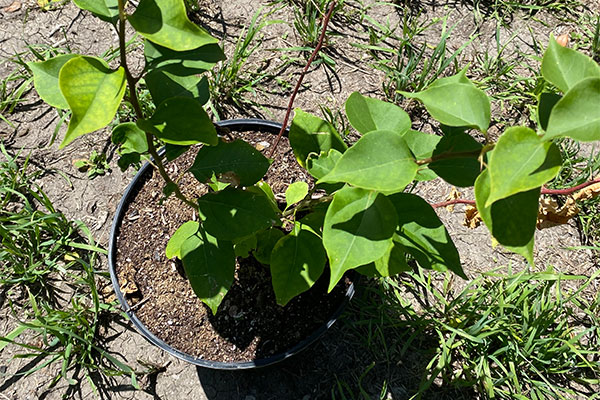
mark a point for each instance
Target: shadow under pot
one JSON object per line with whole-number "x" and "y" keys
{"x": 249, "y": 330}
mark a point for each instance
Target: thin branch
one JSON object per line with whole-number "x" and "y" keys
{"x": 304, "y": 71}
{"x": 131, "y": 83}
{"x": 568, "y": 191}
{"x": 452, "y": 202}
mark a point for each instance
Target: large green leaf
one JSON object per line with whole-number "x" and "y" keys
{"x": 235, "y": 162}
{"x": 521, "y": 161}
{"x": 45, "y": 79}
{"x": 358, "y": 229}
{"x": 209, "y": 265}
{"x": 297, "y": 261}
{"x": 366, "y": 114}
{"x": 564, "y": 67}
{"x": 423, "y": 235}
{"x": 380, "y": 160}
{"x": 456, "y": 101}
{"x": 310, "y": 134}
{"x": 181, "y": 121}
{"x": 163, "y": 85}
{"x": 182, "y": 63}
{"x": 234, "y": 213}
{"x": 511, "y": 220}
{"x": 176, "y": 241}
{"x": 93, "y": 92}
{"x": 165, "y": 23}
{"x": 265, "y": 241}
{"x": 577, "y": 114}
{"x": 106, "y": 10}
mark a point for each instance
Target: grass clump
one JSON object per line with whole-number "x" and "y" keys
{"x": 48, "y": 283}
{"x": 526, "y": 335}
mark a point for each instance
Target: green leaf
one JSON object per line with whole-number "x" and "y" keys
{"x": 519, "y": 162}
{"x": 106, "y": 10}
{"x": 423, "y": 235}
{"x": 297, "y": 261}
{"x": 165, "y": 23}
{"x": 422, "y": 145}
{"x": 296, "y": 192}
{"x": 266, "y": 189}
{"x": 576, "y": 115}
{"x": 45, "y": 79}
{"x": 380, "y": 160}
{"x": 320, "y": 165}
{"x": 366, "y": 114}
{"x": 265, "y": 241}
{"x": 546, "y": 103}
{"x": 456, "y": 101}
{"x": 244, "y": 246}
{"x": 512, "y": 220}
{"x": 182, "y": 63}
{"x": 310, "y": 134}
{"x": 181, "y": 234}
{"x": 564, "y": 67}
{"x": 181, "y": 121}
{"x": 130, "y": 138}
{"x": 209, "y": 265}
{"x": 462, "y": 171}
{"x": 234, "y": 162}
{"x": 358, "y": 229}
{"x": 93, "y": 93}
{"x": 234, "y": 213}
{"x": 163, "y": 85}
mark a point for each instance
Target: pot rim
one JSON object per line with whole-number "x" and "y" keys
{"x": 239, "y": 125}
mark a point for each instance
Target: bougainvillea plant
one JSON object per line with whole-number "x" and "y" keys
{"x": 357, "y": 214}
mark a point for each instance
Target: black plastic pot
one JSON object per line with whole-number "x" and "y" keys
{"x": 234, "y": 125}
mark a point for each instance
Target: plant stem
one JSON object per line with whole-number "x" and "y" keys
{"x": 131, "y": 83}
{"x": 306, "y": 204}
{"x": 568, "y": 191}
{"x": 304, "y": 71}
{"x": 559, "y": 192}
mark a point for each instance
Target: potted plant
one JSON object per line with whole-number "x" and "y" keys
{"x": 355, "y": 214}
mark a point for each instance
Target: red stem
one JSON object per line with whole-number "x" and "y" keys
{"x": 568, "y": 191}
{"x": 561, "y": 192}
{"x": 452, "y": 202}
{"x": 297, "y": 88}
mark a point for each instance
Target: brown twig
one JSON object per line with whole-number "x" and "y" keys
{"x": 304, "y": 71}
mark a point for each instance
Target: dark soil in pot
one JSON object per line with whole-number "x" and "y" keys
{"x": 249, "y": 324}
